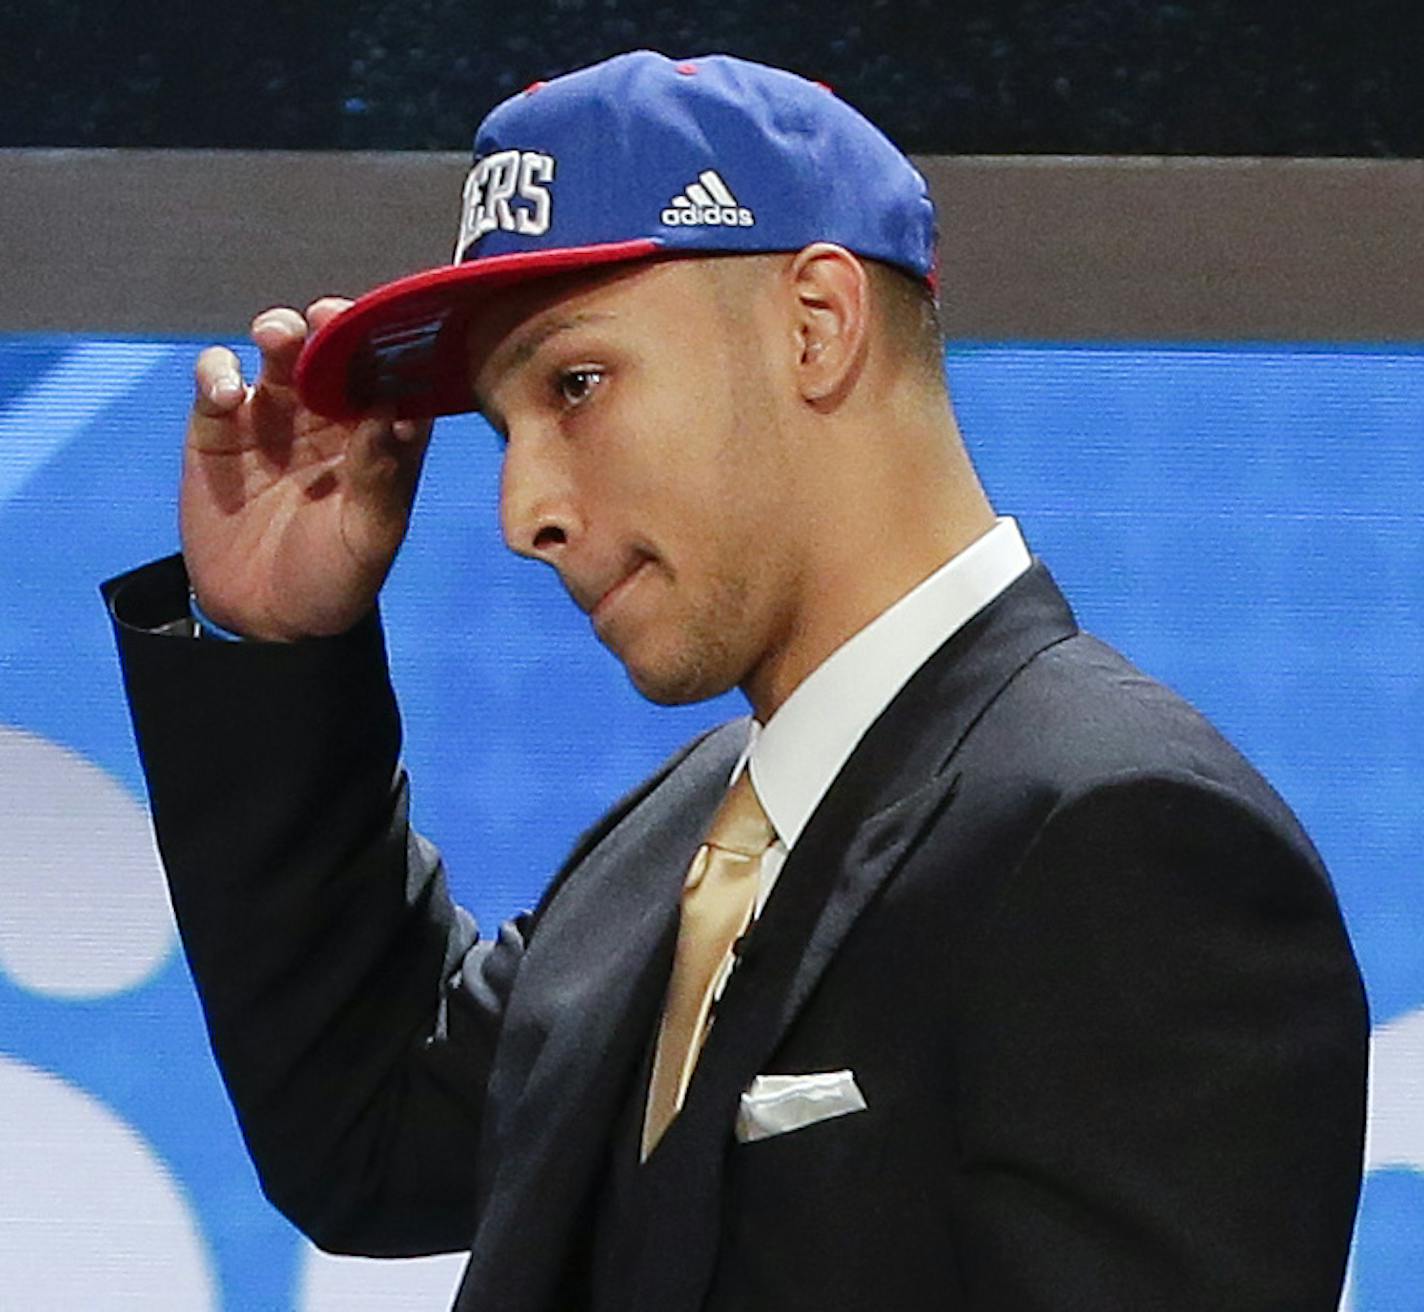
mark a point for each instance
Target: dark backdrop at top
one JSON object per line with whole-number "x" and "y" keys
{"x": 1195, "y": 77}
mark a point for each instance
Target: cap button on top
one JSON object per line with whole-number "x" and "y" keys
{"x": 687, "y": 69}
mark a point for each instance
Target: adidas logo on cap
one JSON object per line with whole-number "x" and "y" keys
{"x": 707, "y": 201}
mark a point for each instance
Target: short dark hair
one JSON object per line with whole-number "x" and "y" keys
{"x": 910, "y": 310}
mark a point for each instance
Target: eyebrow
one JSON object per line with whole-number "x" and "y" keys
{"x": 513, "y": 357}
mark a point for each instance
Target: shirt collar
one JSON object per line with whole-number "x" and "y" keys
{"x": 797, "y": 754}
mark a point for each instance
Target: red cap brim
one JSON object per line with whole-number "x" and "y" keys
{"x": 400, "y": 349}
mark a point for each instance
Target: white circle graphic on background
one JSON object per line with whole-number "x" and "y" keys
{"x": 1394, "y": 1134}
{"x": 1396, "y": 1123}
{"x": 369, "y": 1284}
{"x": 89, "y": 1216}
{"x": 84, "y": 910}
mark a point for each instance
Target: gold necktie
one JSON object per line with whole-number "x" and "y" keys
{"x": 717, "y": 900}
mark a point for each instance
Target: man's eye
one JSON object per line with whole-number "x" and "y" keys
{"x": 577, "y": 385}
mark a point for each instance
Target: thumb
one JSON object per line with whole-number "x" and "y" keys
{"x": 382, "y": 466}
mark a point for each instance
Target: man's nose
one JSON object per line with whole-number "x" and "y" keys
{"x": 536, "y": 500}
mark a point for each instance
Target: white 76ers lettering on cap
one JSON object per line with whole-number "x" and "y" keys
{"x": 707, "y": 201}
{"x": 506, "y": 190}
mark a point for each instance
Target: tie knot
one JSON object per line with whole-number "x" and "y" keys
{"x": 740, "y": 824}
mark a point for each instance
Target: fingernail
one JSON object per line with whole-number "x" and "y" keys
{"x": 226, "y": 388}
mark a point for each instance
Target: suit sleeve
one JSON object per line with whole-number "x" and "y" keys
{"x": 352, "y": 1007}
{"x": 1163, "y": 1081}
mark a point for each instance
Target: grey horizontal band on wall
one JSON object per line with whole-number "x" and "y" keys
{"x": 1035, "y": 247}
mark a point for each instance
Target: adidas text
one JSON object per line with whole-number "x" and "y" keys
{"x": 724, "y": 216}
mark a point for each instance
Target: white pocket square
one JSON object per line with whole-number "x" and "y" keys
{"x": 777, "y": 1104}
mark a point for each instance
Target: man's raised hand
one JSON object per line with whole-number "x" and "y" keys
{"x": 290, "y": 521}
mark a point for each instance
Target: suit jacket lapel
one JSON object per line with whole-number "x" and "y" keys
{"x": 896, "y": 784}
{"x": 898, "y": 781}
{"x": 584, "y": 1001}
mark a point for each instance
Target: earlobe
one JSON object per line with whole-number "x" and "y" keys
{"x": 831, "y": 303}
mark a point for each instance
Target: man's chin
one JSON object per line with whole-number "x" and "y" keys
{"x": 674, "y": 685}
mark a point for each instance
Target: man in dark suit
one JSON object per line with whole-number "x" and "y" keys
{"x": 1030, "y": 995}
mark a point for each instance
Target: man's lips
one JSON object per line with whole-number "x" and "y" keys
{"x": 610, "y": 596}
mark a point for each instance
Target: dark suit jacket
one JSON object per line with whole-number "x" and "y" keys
{"x": 1087, "y": 969}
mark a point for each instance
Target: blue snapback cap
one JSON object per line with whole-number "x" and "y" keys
{"x": 631, "y": 159}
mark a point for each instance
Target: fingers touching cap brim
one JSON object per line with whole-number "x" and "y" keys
{"x": 400, "y": 348}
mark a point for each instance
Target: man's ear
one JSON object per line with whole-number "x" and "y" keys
{"x": 831, "y": 317}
